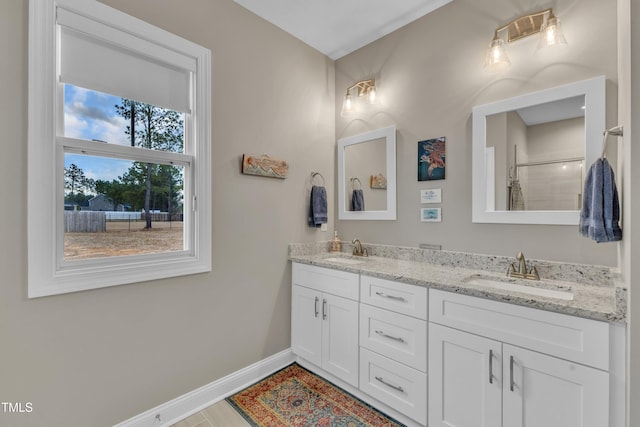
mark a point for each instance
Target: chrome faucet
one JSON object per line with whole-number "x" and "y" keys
{"x": 522, "y": 272}
{"x": 358, "y": 250}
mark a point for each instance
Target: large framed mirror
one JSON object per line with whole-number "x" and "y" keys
{"x": 367, "y": 175}
{"x": 531, "y": 154}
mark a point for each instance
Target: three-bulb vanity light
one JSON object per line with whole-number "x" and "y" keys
{"x": 366, "y": 90}
{"x": 543, "y": 23}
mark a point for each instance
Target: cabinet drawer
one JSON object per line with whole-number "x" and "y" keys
{"x": 402, "y": 388}
{"x": 573, "y": 338}
{"x": 399, "y": 297}
{"x": 335, "y": 282}
{"x": 394, "y": 335}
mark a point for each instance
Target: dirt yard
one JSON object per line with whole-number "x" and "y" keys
{"x": 124, "y": 238}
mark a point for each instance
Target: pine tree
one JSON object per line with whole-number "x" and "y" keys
{"x": 153, "y": 128}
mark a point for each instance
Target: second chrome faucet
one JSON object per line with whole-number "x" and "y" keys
{"x": 522, "y": 272}
{"x": 358, "y": 250}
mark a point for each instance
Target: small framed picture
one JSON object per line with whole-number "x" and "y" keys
{"x": 430, "y": 215}
{"x": 432, "y": 159}
{"x": 433, "y": 195}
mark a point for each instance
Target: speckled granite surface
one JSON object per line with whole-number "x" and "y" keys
{"x": 597, "y": 290}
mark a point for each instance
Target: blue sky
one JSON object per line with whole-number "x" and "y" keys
{"x": 92, "y": 115}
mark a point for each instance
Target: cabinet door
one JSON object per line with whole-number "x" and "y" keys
{"x": 340, "y": 338}
{"x": 465, "y": 379}
{"x": 542, "y": 391}
{"x": 306, "y": 324}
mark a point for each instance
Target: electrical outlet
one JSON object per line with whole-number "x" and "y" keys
{"x": 323, "y": 227}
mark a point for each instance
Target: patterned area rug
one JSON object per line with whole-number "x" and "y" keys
{"x": 294, "y": 396}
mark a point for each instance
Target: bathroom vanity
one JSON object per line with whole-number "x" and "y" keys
{"x": 446, "y": 339}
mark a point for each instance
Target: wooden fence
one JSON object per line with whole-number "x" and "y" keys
{"x": 141, "y": 216}
{"x": 84, "y": 221}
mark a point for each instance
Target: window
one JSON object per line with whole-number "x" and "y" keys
{"x": 119, "y": 150}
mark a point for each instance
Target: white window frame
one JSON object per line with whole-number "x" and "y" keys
{"x": 48, "y": 272}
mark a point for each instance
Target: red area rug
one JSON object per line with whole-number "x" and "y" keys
{"x": 294, "y": 396}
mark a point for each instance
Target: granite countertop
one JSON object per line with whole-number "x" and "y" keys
{"x": 597, "y": 290}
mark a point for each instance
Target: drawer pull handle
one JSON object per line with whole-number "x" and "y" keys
{"x": 395, "y": 387}
{"x": 383, "y": 295}
{"x": 324, "y": 309}
{"x": 399, "y": 339}
{"x": 315, "y": 305}
{"x": 511, "y": 385}
{"x": 490, "y": 366}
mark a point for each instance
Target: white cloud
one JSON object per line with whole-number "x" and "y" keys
{"x": 91, "y": 115}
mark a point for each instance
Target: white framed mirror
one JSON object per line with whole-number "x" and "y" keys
{"x": 531, "y": 153}
{"x": 367, "y": 175}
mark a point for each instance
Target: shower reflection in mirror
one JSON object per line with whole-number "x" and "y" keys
{"x": 544, "y": 156}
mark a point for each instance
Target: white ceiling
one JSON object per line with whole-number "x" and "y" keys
{"x": 338, "y": 27}
{"x": 562, "y": 109}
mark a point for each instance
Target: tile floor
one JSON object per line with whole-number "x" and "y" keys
{"x": 220, "y": 414}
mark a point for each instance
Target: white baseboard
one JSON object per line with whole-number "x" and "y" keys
{"x": 181, "y": 407}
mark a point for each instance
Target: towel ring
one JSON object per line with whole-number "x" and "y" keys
{"x": 353, "y": 183}
{"x": 615, "y": 131}
{"x": 314, "y": 174}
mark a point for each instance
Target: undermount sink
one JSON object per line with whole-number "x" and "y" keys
{"x": 347, "y": 261}
{"x": 509, "y": 285}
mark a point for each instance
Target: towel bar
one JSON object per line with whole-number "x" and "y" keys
{"x": 314, "y": 174}
{"x": 614, "y": 131}
{"x": 353, "y": 183}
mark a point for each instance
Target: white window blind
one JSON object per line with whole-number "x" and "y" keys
{"x": 92, "y": 57}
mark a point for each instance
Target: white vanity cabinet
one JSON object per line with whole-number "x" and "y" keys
{"x": 324, "y": 319}
{"x": 444, "y": 359}
{"x": 393, "y": 345}
{"x": 493, "y": 364}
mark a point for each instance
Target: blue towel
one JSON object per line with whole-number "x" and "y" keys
{"x": 317, "y": 206}
{"x": 357, "y": 200}
{"x": 600, "y": 206}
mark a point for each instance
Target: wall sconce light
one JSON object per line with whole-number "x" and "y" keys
{"x": 366, "y": 89}
{"x": 543, "y": 23}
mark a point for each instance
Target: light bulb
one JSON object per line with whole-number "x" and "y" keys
{"x": 372, "y": 97}
{"x": 551, "y": 33}
{"x": 347, "y": 105}
{"x": 496, "y": 58}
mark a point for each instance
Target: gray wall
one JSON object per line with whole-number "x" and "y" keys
{"x": 429, "y": 76}
{"x": 98, "y": 357}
